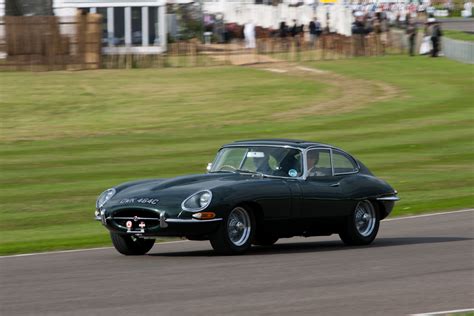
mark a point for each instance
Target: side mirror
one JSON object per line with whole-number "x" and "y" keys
{"x": 209, "y": 166}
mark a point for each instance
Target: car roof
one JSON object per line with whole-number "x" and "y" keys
{"x": 278, "y": 142}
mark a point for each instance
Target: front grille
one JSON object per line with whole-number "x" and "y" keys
{"x": 140, "y": 219}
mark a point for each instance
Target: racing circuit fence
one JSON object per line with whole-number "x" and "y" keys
{"x": 74, "y": 43}
{"x": 50, "y": 42}
{"x": 458, "y": 50}
{"x": 268, "y": 50}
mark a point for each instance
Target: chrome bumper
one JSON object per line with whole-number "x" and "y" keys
{"x": 163, "y": 220}
{"x": 392, "y": 198}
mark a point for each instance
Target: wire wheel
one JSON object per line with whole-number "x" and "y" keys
{"x": 239, "y": 226}
{"x": 365, "y": 218}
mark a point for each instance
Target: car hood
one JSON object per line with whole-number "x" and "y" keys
{"x": 168, "y": 194}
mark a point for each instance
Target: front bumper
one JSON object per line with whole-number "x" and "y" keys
{"x": 160, "y": 225}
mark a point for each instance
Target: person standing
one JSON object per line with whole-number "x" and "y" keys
{"x": 283, "y": 30}
{"x": 314, "y": 31}
{"x": 436, "y": 34}
{"x": 294, "y": 29}
{"x": 412, "y": 32}
{"x": 249, "y": 34}
{"x": 283, "y": 33}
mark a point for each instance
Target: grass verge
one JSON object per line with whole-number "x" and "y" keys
{"x": 65, "y": 137}
{"x": 459, "y": 35}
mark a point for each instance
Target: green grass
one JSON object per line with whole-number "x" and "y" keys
{"x": 459, "y": 35}
{"x": 65, "y": 136}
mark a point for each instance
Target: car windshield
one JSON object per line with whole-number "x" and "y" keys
{"x": 265, "y": 160}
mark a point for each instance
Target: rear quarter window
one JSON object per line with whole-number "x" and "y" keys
{"x": 343, "y": 163}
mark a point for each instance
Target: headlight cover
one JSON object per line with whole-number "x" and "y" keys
{"x": 197, "y": 201}
{"x": 104, "y": 197}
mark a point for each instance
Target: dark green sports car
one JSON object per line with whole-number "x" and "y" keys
{"x": 255, "y": 192}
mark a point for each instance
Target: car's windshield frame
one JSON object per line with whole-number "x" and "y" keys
{"x": 239, "y": 170}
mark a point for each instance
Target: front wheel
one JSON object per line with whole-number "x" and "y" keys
{"x": 361, "y": 227}
{"x": 131, "y": 246}
{"x": 235, "y": 234}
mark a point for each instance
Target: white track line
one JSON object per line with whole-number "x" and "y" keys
{"x": 77, "y": 250}
{"x": 445, "y": 312}
{"x": 180, "y": 241}
{"x": 427, "y": 215}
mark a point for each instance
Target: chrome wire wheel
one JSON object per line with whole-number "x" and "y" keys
{"x": 365, "y": 218}
{"x": 238, "y": 226}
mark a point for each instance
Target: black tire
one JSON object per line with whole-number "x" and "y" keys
{"x": 265, "y": 240}
{"x": 222, "y": 241}
{"x": 129, "y": 246}
{"x": 352, "y": 235}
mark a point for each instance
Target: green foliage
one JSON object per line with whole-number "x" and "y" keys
{"x": 459, "y": 35}
{"x": 67, "y": 136}
{"x": 190, "y": 20}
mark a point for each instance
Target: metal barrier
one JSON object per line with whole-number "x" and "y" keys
{"x": 458, "y": 50}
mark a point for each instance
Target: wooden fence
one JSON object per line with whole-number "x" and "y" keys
{"x": 193, "y": 53}
{"x": 56, "y": 43}
{"x": 50, "y": 43}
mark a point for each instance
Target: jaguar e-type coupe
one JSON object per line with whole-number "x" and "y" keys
{"x": 255, "y": 192}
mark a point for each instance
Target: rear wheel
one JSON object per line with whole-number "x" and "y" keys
{"x": 235, "y": 234}
{"x": 131, "y": 246}
{"x": 362, "y": 226}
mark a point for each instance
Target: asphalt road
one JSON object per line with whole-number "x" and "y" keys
{"x": 466, "y": 25}
{"x": 416, "y": 265}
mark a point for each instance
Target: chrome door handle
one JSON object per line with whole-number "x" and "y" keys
{"x": 334, "y": 185}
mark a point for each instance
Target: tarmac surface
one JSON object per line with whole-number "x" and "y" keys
{"x": 466, "y": 25}
{"x": 416, "y": 265}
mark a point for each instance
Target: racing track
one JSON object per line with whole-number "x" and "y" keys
{"x": 419, "y": 264}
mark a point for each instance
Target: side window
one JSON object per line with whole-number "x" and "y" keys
{"x": 319, "y": 163}
{"x": 342, "y": 163}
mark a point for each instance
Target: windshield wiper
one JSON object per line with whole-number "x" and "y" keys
{"x": 252, "y": 172}
{"x": 226, "y": 171}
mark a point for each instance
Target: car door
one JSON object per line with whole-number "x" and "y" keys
{"x": 321, "y": 191}
{"x": 346, "y": 169}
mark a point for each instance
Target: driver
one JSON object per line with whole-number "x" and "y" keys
{"x": 261, "y": 164}
{"x": 313, "y": 159}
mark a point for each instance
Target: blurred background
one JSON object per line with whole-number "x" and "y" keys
{"x": 98, "y": 92}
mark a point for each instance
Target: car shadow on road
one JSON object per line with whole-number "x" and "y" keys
{"x": 285, "y": 246}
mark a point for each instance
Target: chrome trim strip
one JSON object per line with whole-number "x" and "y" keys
{"x": 137, "y": 218}
{"x": 163, "y": 223}
{"x": 193, "y": 220}
{"x": 260, "y": 145}
{"x": 389, "y": 198}
{"x": 332, "y": 163}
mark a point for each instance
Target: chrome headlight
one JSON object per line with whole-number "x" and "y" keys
{"x": 198, "y": 201}
{"x": 104, "y": 197}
